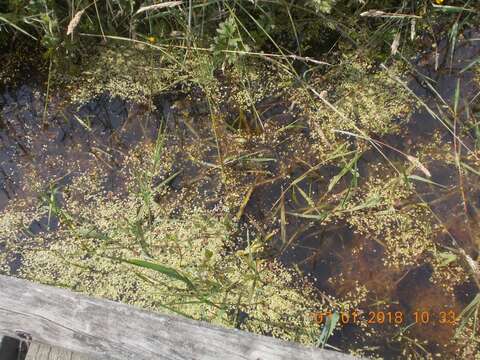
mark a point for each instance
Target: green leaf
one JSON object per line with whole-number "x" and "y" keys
{"x": 168, "y": 180}
{"x": 446, "y": 258}
{"x": 369, "y": 202}
{"x": 307, "y": 198}
{"x": 170, "y": 272}
{"x": 451, "y": 9}
{"x": 322, "y": 216}
{"x": 4, "y": 18}
{"x": 328, "y": 328}
{"x": 343, "y": 172}
{"x": 456, "y": 98}
{"x": 469, "y": 311}
{"x": 472, "y": 64}
{"x": 469, "y": 168}
{"x": 420, "y": 178}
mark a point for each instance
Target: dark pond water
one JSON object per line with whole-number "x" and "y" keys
{"x": 410, "y": 289}
{"x": 72, "y": 139}
{"x": 326, "y": 252}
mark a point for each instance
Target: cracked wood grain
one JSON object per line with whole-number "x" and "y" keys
{"x": 104, "y": 329}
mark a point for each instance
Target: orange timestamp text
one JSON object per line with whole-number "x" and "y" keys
{"x": 446, "y": 317}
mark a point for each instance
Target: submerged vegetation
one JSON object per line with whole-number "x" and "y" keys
{"x": 251, "y": 163}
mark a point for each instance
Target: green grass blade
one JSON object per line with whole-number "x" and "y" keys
{"x": 15, "y": 26}
{"x": 472, "y": 64}
{"x": 425, "y": 180}
{"x": 327, "y": 330}
{"x": 457, "y": 98}
{"x": 469, "y": 168}
{"x": 469, "y": 310}
{"x": 170, "y": 272}
{"x": 451, "y": 9}
{"x": 343, "y": 172}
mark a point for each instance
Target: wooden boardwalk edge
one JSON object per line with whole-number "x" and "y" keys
{"x": 105, "y": 329}
{"x": 38, "y": 351}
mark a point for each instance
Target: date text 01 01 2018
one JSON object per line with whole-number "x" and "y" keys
{"x": 446, "y": 317}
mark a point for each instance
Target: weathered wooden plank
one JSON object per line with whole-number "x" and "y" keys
{"x": 39, "y": 351}
{"x": 57, "y": 353}
{"x": 77, "y": 356}
{"x": 105, "y": 329}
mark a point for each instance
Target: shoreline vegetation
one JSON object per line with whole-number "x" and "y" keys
{"x": 252, "y": 164}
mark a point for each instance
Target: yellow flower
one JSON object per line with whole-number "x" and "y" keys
{"x": 439, "y": 2}
{"x": 152, "y": 39}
